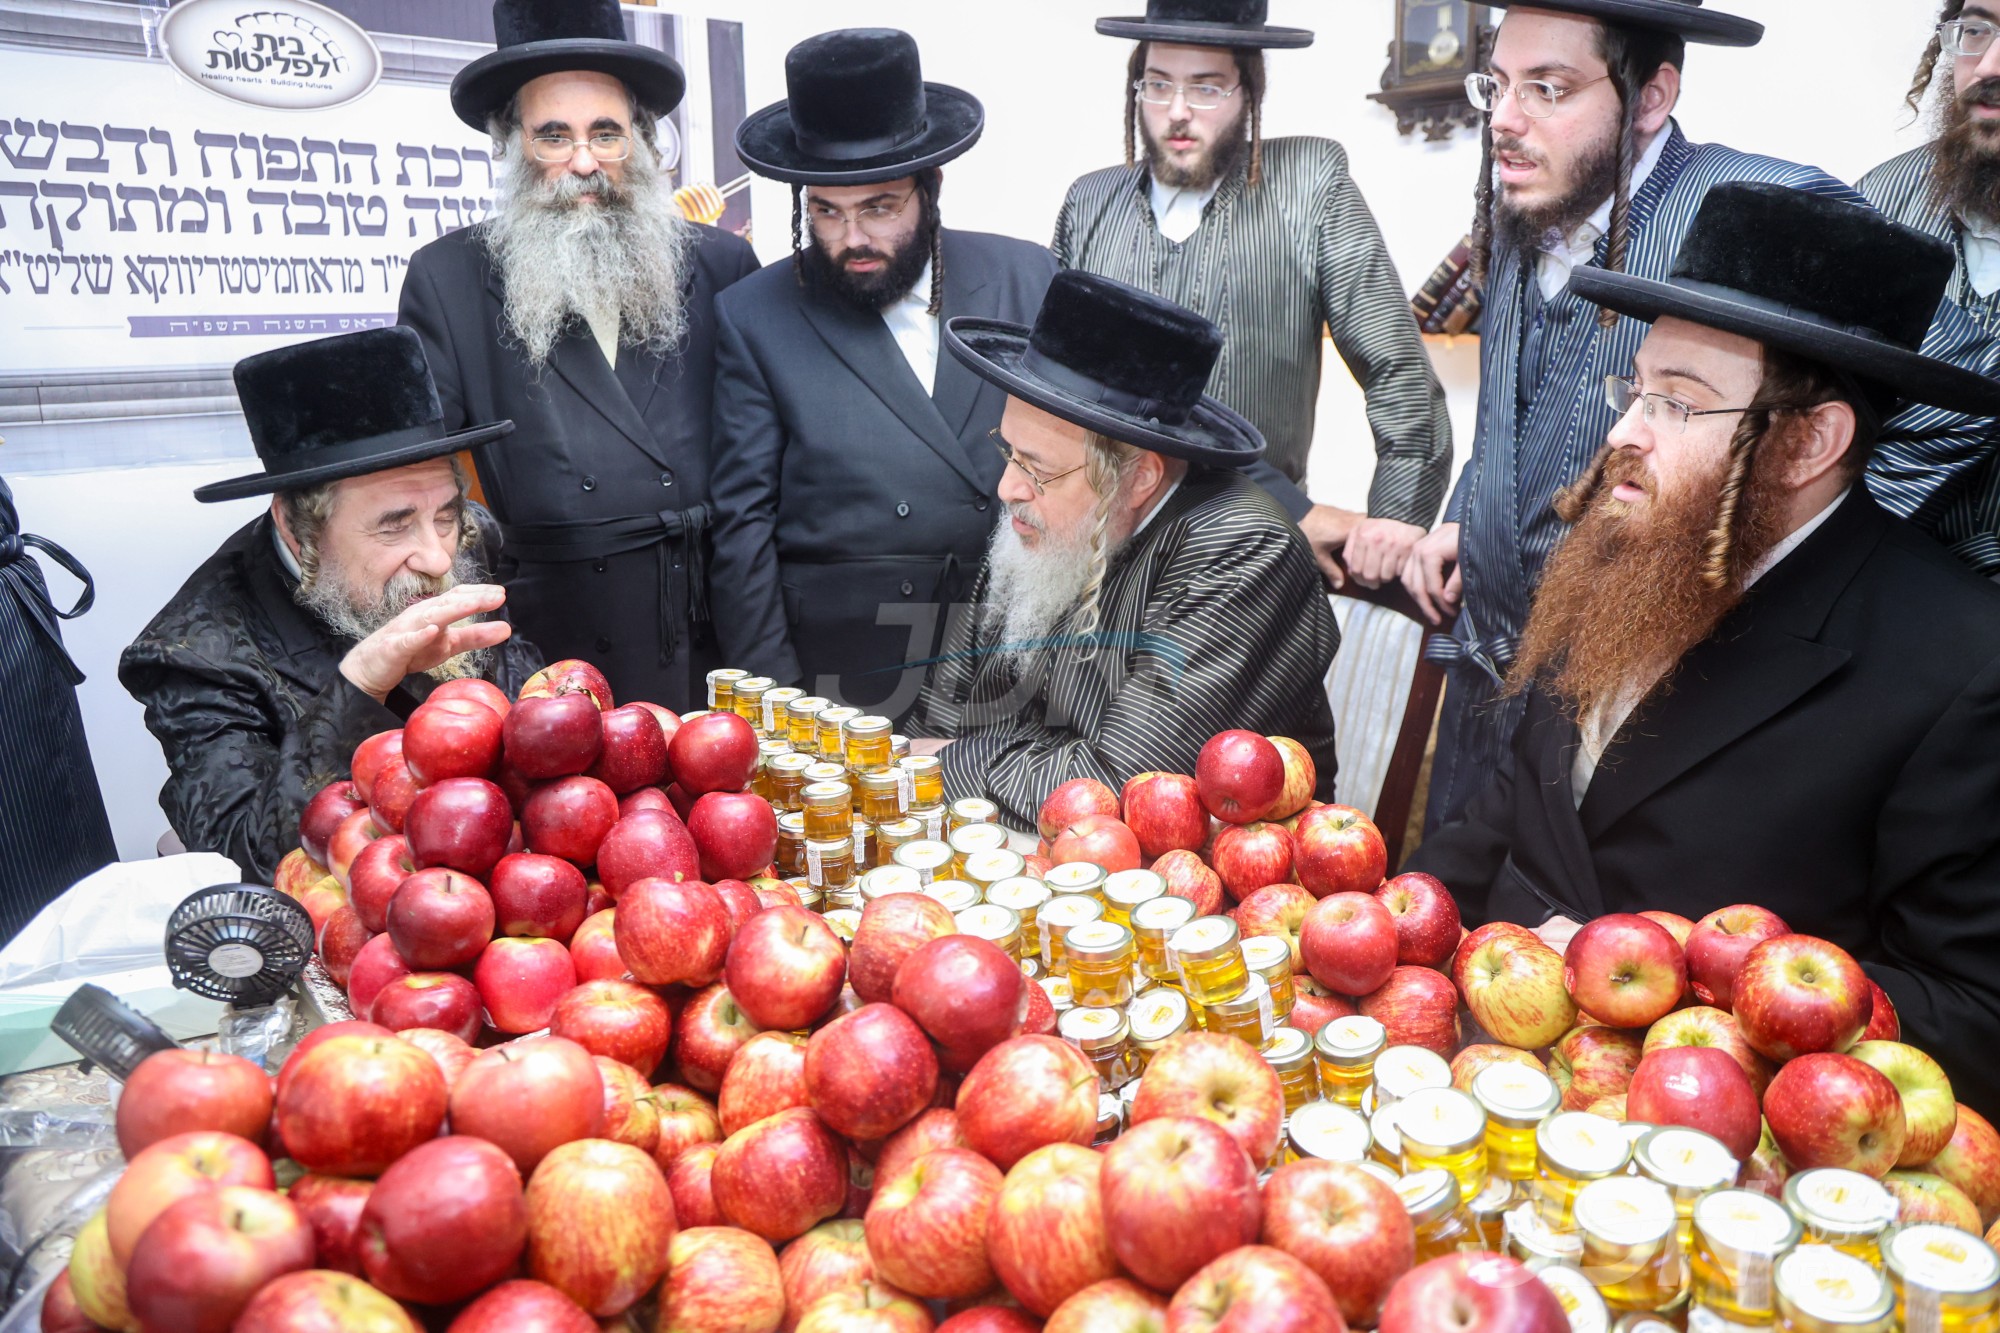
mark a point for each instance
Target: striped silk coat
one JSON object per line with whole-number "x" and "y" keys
{"x": 1212, "y": 617}
{"x": 1533, "y": 439}
{"x": 1969, "y": 523}
{"x": 1274, "y": 267}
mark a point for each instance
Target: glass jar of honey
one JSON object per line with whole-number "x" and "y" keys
{"x": 971, "y": 810}
{"x": 1346, "y": 1050}
{"x": 1157, "y": 1016}
{"x": 1824, "y": 1290}
{"x": 1690, "y": 1164}
{"x": 821, "y": 770}
{"x": 1031, "y": 966}
{"x": 1486, "y": 1213}
{"x": 791, "y": 854}
{"x": 894, "y": 833}
{"x": 1536, "y": 1244}
{"x": 1944, "y": 1280}
{"x": 864, "y": 846}
{"x": 881, "y": 797}
{"x": 1246, "y": 1016}
{"x": 1023, "y": 896}
{"x": 955, "y": 894}
{"x": 1058, "y": 915}
{"x": 1077, "y": 877}
{"x": 925, "y": 774}
{"x": 1208, "y": 954}
{"x": 885, "y": 880}
{"x": 973, "y": 839}
{"x": 778, "y": 712}
{"x": 996, "y": 925}
{"x": 1099, "y": 957}
{"x": 830, "y": 733}
{"x": 801, "y": 719}
{"x": 1110, "y": 1119}
{"x": 899, "y": 747}
{"x": 1516, "y": 1099}
{"x": 1269, "y": 957}
{"x": 1403, "y": 1070}
{"x": 722, "y": 689}
{"x": 1386, "y": 1141}
{"x": 1056, "y": 987}
{"x": 1290, "y": 1053}
{"x": 1739, "y": 1236}
{"x": 1630, "y": 1252}
{"x": 829, "y": 810}
{"x": 866, "y": 738}
{"x": 809, "y": 897}
{"x": 1581, "y": 1304}
{"x": 786, "y": 776}
{"x": 830, "y": 867}
{"x": 844, "y": 921}
{"x": 993, "y": 867}
{"x": 1127, "y": 889}
{"x": 1327, "y": 1132}
{"x": 931, "y": 860}
{"x": 748, "y": 700}
{"x": 1105, "y": 1038}
{"x": 1844, "y": 1209}
{"x": 760, "y": 777}
{"x": 1153, "y": 924}
{"x": 1573, "y": 1148}
{"x": 1443, "y": 1128}
{"x": 1431, "y": 1198}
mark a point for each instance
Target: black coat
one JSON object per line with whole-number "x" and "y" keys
{"x": 603, "y": 488}
{"x": 1832, "y": 753}
{"x": 243, "y": 691}
{"x": 851, "y": 503}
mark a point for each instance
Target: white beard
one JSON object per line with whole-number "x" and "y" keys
{"x": 1030, "y": 589}
{"x": 356, "y": 614}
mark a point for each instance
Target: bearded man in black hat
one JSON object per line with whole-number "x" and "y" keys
{"x": 1273, "y": 242}
{"x": 1143, "y": 594}
{"x": 853, "y": 479}
{"x": 583, "y": 311}
{"x": 1744, "y": 681}
{"x": 332, "y": 615}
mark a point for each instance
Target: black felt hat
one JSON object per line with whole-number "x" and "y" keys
{"x": 1831, "y": 281}
{"x": 857, "y": 111}
{"x": 538, "y": 37}
{"x": 1116, "y": 360}
{"x": 341, "y": 407}
{"x": 1207, "y": 23}
{"x": 1685, "y": 18}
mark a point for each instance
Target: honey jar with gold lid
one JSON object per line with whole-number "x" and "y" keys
{"x": 971, "y": 810}
{"x": 1246, "y": 1016}
{"x": 931, "y": 860}
{"x": 1739, "y": 1236}
{"x": 1573, "y": 1148}
{"x": 1082, "y": 877}
{"x": 1944, "y": 1280}
{"x": 830, "y": 866}
{"x": 801, "y": 715}
{"x": 830, "y": 733}
{"x": 1158, "y": 1016}
{"x": 1690, "y": 1164}
{"x": 1841, "y": 1208}
{"x": 1290, "y": 1053}
{"x": 1329, "y": 1132}
{"x": 785, "y": 777}
{"x": 894, "y": 833}
{"x": 1153, "y": 924}
{"x": 1346, "y": 1049}
{"x": 747, "y": 700}
{"x": 1099, "y": 957}
{"x": 1058, "y": 915}
{"x": 1208, "y": 954}
{"x": 924, "y": 776}
{"x": 1445, "y": 1129}
{"x": 1057, "y": 989}
{"x": 991, "y": 867}
{"x": 722, "y": 689}
{"x": 973, "y": 839}
{"x": 866, "y": 741}
{"x": 885, "y": 880}
{"x": 790, "y": 857}
{"x": 1516, "y": 1099}
{"x": 955, "y": 894}
{"x": 879, "y": 795}
{"x": 1630, "y": 1252}
{"x": 1269, "y": 957}
{"x": 1536, "y": 1244}
{"x": 996, "y": 925}
{"x": 1582, "y": 1305}
{"x": 829, "y": 810}
{"x": 1105, "y": 1037}
{"x": 1402, "y": 1070}
{"x": 1126, "y": 889}
{"x": 1822, "y": 1290}
{"x": 1432, "y": 1199}
{"x": 1024, "y": 896}
{"x": 777, "y": 706}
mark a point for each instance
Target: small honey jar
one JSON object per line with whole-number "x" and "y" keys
{"x": 1824, "y": 1290}
{"x": 1110, "y": 1119}
{"x": 885, "y": 880}
{"x": 1157, "y": 1017}
{"x": 866, "y": 738}
{"x": 778, "y": 713}
{"x": 1573, "y": 1148}
{"x": 899, "y": 747}
{"x": 1208, "y": 953}
{"x": 865, "y": 857}
{"x": 810, "y": 898}
{"x": 1128, "y": 889}
{"x": 1403, "y": 1070}
{"x": 1099, "y": 957}
{"x": 880, "y": 796}
{"x": 1327, "y": 1132}
{"x": 892, "y": 834}
{"x": 747, "y": 699}
{"x": 1690, "y": 1164}
{"x": 931, "y": 860}
{"x": 830, "y": 733}
{"x": 1023, "y": 896}
{"x": 830, "y": 866}
{"x": 791, "y": 854}
{"x": 1346, "y": 1050}
{"x": 1944, "y": 1280}
{"x": 829, "y": 810}
{"x": 1486, "y": 1213}
{"x": 1445, "y": 1129}
{"x": 722, "y": 689}
{"x": 1077, "y": 877}
{"x": 1105, "y": 1038}
{"x": 1386, "y": 1141}
{"x": 1269, "y": 957}
{"x": 925, "y": 775}
{"x": 996, "y": 925}
{"x": 992, "y": 867}
{"x": 1630, "y": 1250}
{"x": 1290, "y": 1053}
{"x": 1153, "y": 924}
{"x": 955, "y": 894}
{"x": 973, "y": 839}
{"x": 1739, "y": 1236}
{"x": 1581, "y": 1303}
{"x": 1432, "y": 1199}
{"x": 760, "y": 776}
{"x": 970, "y": 810}
{"x": 1844, "y": 1209}
{"x": 1246, "y": 1017}
{"x": 801, "y": 717}
{"x": 1516, "y": 1099}
{"x": 1536, "y": 1245}
{"x": 1057, "y": 989}
{"x": 1058, "y": 915}
{"x": 785, "y": 776}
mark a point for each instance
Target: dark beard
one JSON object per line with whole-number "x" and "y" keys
{"x": 1965, "y": 172}
{"x": 1623, "y": 599}
{"x": 1594, "y": 179}
{"x": 876, "y": 292}
{"x": 1219, "y": 162}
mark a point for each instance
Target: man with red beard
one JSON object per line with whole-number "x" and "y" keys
{"x": 1950, "y": 188}
{"x": 1744, "y": 681}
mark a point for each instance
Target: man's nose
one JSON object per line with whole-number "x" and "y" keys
{"x": 1632, "y": 431}
{"x": 434, "y": 554}
{"x": 1508, "y": 115}
{"x": 1015, "y": 488}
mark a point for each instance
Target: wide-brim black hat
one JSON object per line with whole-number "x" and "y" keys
{"x": 537, "y": 37}
{"x": 857, "y": 111}
{"x": 1207, "y": 23}
{"x": 341, "y": 407}
{"x": 1830, "y": 281}
{"x": 1117, "y": 360}
{"x": 1684, "y": 18}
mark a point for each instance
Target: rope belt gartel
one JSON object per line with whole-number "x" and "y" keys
{"x": 683, "y": 589}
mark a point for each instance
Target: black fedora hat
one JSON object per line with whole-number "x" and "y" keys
{"x": 1684, "y": 18}
{"x": 341, "y": 407}
{"x": 1117, "y": 360}
{"x": 1207, "y": 23}
{"x": 857, "y": 111}
{"x": 537, "y": 37}
{"x": 1831, "y": 281}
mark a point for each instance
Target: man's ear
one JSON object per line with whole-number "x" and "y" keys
{"x": 1825, "y": 436}
{"x": 1658, "y": 99}
{"x": 284, "y": 525}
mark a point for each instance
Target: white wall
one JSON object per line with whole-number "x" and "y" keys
{"x": 1825, "y": 87}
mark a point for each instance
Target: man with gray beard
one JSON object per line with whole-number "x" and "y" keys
{"x": 583, "y": 311}
{"x": 333, "y": 614}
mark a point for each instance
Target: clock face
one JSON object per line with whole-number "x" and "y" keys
{"x": 1434, "y": 36}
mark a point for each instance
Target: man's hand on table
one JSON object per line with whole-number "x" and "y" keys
{"x": 424, "y": 636}
{"x": 1377, "y": 549}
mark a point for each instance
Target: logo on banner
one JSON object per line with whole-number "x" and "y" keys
{"x": 285, "y": 55}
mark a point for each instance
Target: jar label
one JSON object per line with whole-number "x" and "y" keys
{"x": 934, "y": 824}
{"x": 770, "y": 713}
{"x": 814, "y": 869}
{"x": 906, "y": 788}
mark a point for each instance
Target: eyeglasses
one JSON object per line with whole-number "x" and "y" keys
{"x": 1961, "y": 38}
{"x": 1200, "y": 96}
{"x": 877, "y": 220}
{"x": 552, "y": 148}
{"x": 1621, "y": 393}
{"x": 1538, "y": 97}
{"x": 1035, "y": 479}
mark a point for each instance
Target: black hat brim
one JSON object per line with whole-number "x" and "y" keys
{"x": 1191, "y": 33}
{"x": 485, "y": 86}
{"x": 265, "y": 483}
{"x": 1908, "y": 374}
{"x": 1213, "y": 434}
{"x": 769, "y": 146}
{"x": 1693, "y": 23}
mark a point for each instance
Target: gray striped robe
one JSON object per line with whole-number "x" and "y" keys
{"x": 1534, "y": 439}
{"x": 1272, "y": 267}
{"x": 1212, "y": 617}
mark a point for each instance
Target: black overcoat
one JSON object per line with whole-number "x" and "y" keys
{"x": 1832, "y": 753}
{"x": 602, "y": 490}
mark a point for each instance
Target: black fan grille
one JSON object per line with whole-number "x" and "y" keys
{"x": 238, "y": 942}
{"x": 108, "y": 1032}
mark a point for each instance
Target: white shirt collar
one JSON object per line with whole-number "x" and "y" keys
{"x": 1560, "y": 254}
{"x": 915, "y": 329}
{"x": 285, "y": 556}
{"x": 1177, "y": 211}
{"x": 1794, "y": 539}
{"x": 1159, "y": 504}
{"x": 1982, "y": 254}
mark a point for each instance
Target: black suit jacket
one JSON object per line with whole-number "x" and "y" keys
{"x": 1832, "y": 753}
{"x": 851, "y": 504}
{"x": 603, "y": 488}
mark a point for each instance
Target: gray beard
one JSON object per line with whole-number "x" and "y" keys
{"x": 562, "y": 260}
{"x": 1030, "y": 589}
{"x": 351, "y": 615}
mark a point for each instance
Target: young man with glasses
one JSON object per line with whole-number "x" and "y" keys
{"x": 853, "y": 480}
{"x": 1585, "y": 169}
{"x": 1950, "y": 188}
{"x": 1744, "y": 680}
{"x": 582, "y": 310}
{"x": 1273, "y": 242}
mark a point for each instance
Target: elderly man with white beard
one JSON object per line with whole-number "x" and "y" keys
{"x": 583, "y": 310}
{"x": 1143, "y": 594}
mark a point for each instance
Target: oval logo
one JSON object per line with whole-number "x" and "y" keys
{"x": 284, "y": 55}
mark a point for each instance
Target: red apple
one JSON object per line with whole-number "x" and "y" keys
{"x": 323, "y": 814}
{"x": 1797, "y": 994}
{"x": 687, "y": 1119}
{"x": 296, "y": 872}
{"x": 870, "y": 1307}
{"x": 927, "y": 1228}
{"x": 721, "y": 1280}
{"x": 451, "y": 738}
{"x": 736, "y": 833}
{"x": 97, "y": 1278}
{"x": 870, "y": 1072}
{"x": 1718, "y": 944}
{"x": 1514, "y": 988}
{"x": 1497, "y": 934}
{"x": 355, "y": 1104}
{"x": 1276, "y": 910}
{"x": 631, "y": 1112}
{"x": 1419, "y": 1008}
{"x": 1038, "y": 1016}
{"x": 520, "y": 981}
{"x": 1828, "y": 1109}
{"x": 674, "y": 932}
{"x": 712, "y": 1028}
{"x": 593, "y": 950}
{"x": 832, "y": 1257}
{"x": 1301, "y": 778}
{"x": 320, "y": 1301}
{"x": 966, "y": 993}
{"x": 1025, "y": 1093}
{"x": 198, "y": 1263}
{"x": 450, "y": 1051}
{"x": 462, "y": 823}
{"x": 1178, "y": 1192}
{"x": 322, "y": 901}
{"x": 1313, "y": 1009}
{"x": 767, "y": 1076}
{"x": 1114, "y": 1306}
{"x": 647, "y": 844}
{"x": 1101, "y": 840}
{"x": 339, "y": 942}
{"x": 171, "y": 1170}
{"x": 1348, "y": 942}
{"x": 1337, "y": 849}
{"x": 1624, "y": 970}
{"x": 646, "y": 798}
{"x": 521, "y": 1306}
{"x": 446, "y": 1220}
{"x": 1701, "y": 1088}
{"x": 374, "y": 966}
{"x": 553, "y": 736}
{"x": 60, "y": 1311}
{"x": 440, "y": 919}
{"x": 1472, "y": 1291}
{"x": 1048, "y": 1239}
{"x": 180, "y": 1091}
{"x": 1189, "y": 877}
{"x": 1930, "y": 1113}
{"x": 537, "y": 896}
{"x": 1241, "y": 777}
{"x": 378, "y": 870}
{"x": 331, "y": 1206}
{"x": 740, "y": 901}
{"x": 1249, "y": 856}
{"x": 713, "y": 752}
{"x": 569, "y": 817}
{"x": 1256, "y": 1289}
{"x": 1883, "y": 1024}
{"x": 395, "y": 791}
{"x": 690, "y": 1181}
{"x": 347, "y": 1027}
{"x": 1426, "y": 916}
{"x": 933, "y": 1129}
{"x": 634, "y": 753}
{"x": 781, "y": 1176}
{"x": 1594, "y": 1061}
{"x": 618, "y": 1019}
{"x": 600, "y": 1219}
{"x": 1922, "y": 1197}
{"x": 1971, "y": 1161}
{"x": 1165, "y": 813}
{"x": 785, "y": 967}
{"x": 348, "y": 841}
{"x": 475, "y": 689}
{"x": 1345, "y": 1225}
{"x": 892, "y": 928}
{"x": 1072, "y": 801}
{"x": 442, "y": 1000}
{"x": 569, "y": 676}
{"x": 1213, "y": 1076}
{"x": 1701, "y": 1025}
{"x": 530, "y": 1097}
{"x": 369, "y": 757}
